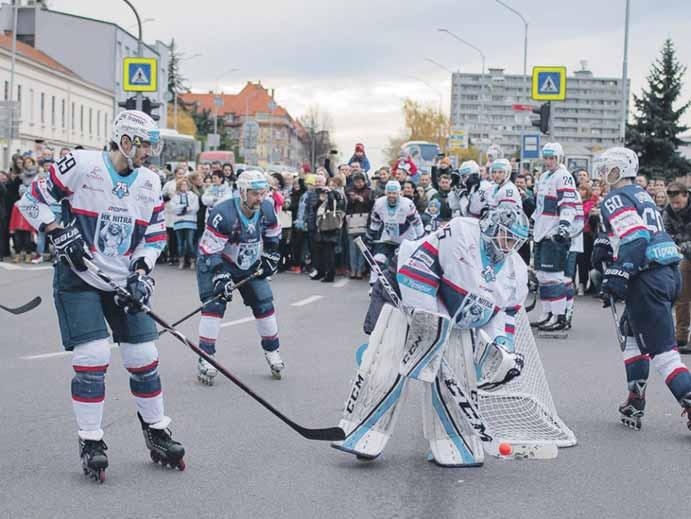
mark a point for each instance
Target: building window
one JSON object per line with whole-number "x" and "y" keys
{"x": 98, "y": 123}
{"x": 105, "y": 125}
{"x": 43, "y": 108}
{"x": 73, "y": 116}
{"x": 7, "y": 90}
{"x": 81, "y": 118}
{"x": 32, "y": 109}
{"x": 91, "y": 127}
{"x": 52, "y": 111}
{"x": 19, "y": 97}
{"x": 62, "y": 112}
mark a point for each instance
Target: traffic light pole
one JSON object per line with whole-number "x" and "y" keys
{"x": 140, "y": 51}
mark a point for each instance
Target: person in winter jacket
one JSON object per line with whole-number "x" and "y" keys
{"x": 676, "y": 218}
{"x": 185, "y": 205}
{"x": 360, "y": 157}
{"x": 360, "y": 203}
{"x": 218, "y": 191}
{"x": 326, "y": 199}
{"x": 430, "y": 218}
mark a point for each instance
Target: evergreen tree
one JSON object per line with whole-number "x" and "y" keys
{"x": 176, "y": 82}
{"x": 654, "y": 135}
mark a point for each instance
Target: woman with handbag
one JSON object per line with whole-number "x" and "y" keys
{"x": 330, "y": 212}
{"x": 359, "y": 205}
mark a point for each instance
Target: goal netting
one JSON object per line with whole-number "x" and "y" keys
{"x": 521, "y": 411}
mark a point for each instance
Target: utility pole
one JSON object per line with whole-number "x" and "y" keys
{"x": 140, "y": 51}
{"x": 10, "y": 135}
{"x": 625, "y": 66}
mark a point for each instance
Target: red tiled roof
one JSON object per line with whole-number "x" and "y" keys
{"x": 251, "y": 99}
{"x": 34, "y": 54}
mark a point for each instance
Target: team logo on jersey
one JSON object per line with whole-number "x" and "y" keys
{"x": 113, "y": 234}
{"x": 474, "y": 311}
{"x": 247, "y": 255}
{"x": 488, "y": 274}
{"x": 121, "y": 190}
{"x": 32, "y": 211}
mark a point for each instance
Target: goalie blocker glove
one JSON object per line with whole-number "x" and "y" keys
{"x": 70, "y": 247}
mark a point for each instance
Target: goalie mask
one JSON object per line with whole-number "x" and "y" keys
{"x": 616, "y": 164}
{"x": 503, "y": 230}
{"x": 254, "y": 184}
{"x": 140, "y": 129}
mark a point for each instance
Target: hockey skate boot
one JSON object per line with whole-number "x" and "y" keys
{"x": 569, "y": 318}
{"x": 163, "y": 448}
{"x": 94, "y": 459}
{"x": 555, "y": 328}
{"x": 542, "y": 321}
{"x": 633, "y": 409}
{"x": 206, "y": 372}
{"x": 686, "y": 404}
{"x": 276, "y": 364}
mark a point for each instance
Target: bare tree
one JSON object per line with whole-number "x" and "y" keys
{"x": 319, "y": 124}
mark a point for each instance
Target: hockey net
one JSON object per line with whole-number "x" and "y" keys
{"x": 522, "y": 410}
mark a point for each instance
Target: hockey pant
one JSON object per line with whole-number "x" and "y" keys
{"x": 550, "y": 264}
{"x": 90, "y": 361}
{"x": 648, "y": 328}
{"x": 379, "y": 388}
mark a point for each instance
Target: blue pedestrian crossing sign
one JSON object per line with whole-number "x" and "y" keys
{"x": 549, "y": 83}
{"x": 140, "y": 75}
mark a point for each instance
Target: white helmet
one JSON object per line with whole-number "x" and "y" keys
{"x": 468, "y": 168}
{"x": 139, "y": 128}
{"x": 251, "y": 180}
{"x": 502, "y": 165}
{"x": 553, "y": 149}
{"x": 392, "y": 186}
{"x": 623, "y": 159}
{"x": 494, "y": 151}
{"x": 500, "y": 224}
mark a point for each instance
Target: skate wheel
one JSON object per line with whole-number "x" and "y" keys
{"x": 181, "y": 465}
{"x": 101, "y": 476}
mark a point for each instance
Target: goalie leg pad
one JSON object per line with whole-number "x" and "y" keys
{"x": 425, "y": 343}
{"x": 451, "y": 423}
{"x": 378, "y": 389}
{"x": 494, "y": 364}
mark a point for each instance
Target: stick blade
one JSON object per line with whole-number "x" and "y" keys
{"x": 24, "y": 308}
{"x": 329, "y": 434}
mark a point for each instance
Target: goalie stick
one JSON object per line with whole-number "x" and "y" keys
{"x": 467, "y": 402}
{"x": 324, "y": 434}
{"x": 23, "y": 308}
{"x": 254, "y": 275}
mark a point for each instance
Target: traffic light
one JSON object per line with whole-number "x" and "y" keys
{"x": 543, "y": 121}
{"x": 148, "y": 106}
{"x": 129, "y": 104}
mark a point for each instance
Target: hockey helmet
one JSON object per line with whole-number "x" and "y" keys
{"x": 501, "y": 166}
{"x": 469, "y": 167}
{"x": 140, "y": 129}
{"x": 624, "y": 160}
{"x": 553, "y": 149}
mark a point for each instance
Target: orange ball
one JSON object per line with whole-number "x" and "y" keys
{"x": 505, "y": 449}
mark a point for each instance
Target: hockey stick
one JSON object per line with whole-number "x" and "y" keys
{"x": 326, "y": 434}
{"x": 254, "y": 275}
{"x": 615, "y": 316}
{"x": 378, "y": 271}
{"x": 24, "y": 308}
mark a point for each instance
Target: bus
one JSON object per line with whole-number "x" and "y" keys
{"x": 177, "y": 148}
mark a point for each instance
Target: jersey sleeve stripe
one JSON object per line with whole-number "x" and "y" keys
{"x": 57, "y": 183}
{"x": 84, "y": 212}
{"x": 142, "y": 222}
{"x": 453, "y": 286}
{"x": 419, "y": 276}
{"x": 639, "y": 228}
{"x": 430, "y": 248}
{"x": 151, "y": 238}
{"x": 216, "y": 233}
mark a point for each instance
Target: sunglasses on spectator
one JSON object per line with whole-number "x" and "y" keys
{"x": 672, "y": 194}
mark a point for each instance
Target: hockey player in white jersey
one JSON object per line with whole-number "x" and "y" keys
{"x": 465, "y": 275}
{"x": 557, "y": 206}
{"x": 394, "y": 219}
{"x": 115, "y": 219}
{"x": 504, "y": 190}
{"x": 478, "y": 190}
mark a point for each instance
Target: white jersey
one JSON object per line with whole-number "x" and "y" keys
{"x": 448, "y": 272}
{"x": 479, "y": 199}
{"x": 120, "y": 217}
{"x": 395, "y": 224}
{"x": 556, "y": 201}
{"x": 507, "y": 193}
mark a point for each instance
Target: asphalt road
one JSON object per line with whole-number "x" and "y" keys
{"x": 242, "y": 462}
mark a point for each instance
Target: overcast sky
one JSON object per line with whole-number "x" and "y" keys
{"x": 355, "y": 58}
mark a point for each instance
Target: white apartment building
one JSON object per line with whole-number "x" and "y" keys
{"x": 588, "y": 121}
{"x": 55, "y": 104}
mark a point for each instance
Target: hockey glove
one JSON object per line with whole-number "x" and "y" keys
{"x": 562, "y": 236}
{"x": 602, "y": 252}
{"x": 269, "y": 263}
{"x": 223, "y": 286}
{"x": 140, "y": 287}
{"x": 615, "y": 283}
{"x": 70, "y": 247}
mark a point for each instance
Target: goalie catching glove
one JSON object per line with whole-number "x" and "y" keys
{"x": 495, "y": 365}
{"x": 70, "y": 247}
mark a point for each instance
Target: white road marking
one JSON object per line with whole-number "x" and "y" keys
{"x": 306, "y": 301}
{"x": 10, "y": 266}
{"x": 341, "y": 283}
{"x": 239, "y": 321}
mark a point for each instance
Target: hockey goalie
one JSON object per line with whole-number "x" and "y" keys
{"x": 466, "y": 276}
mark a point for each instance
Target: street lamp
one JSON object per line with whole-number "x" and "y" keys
{"x": 525, "y": 63}
{"x": 482, "y": 88}
{"x": 175, "y": 91}
{"x": 433, "y": 62}
{"x": 145, "y": 20}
